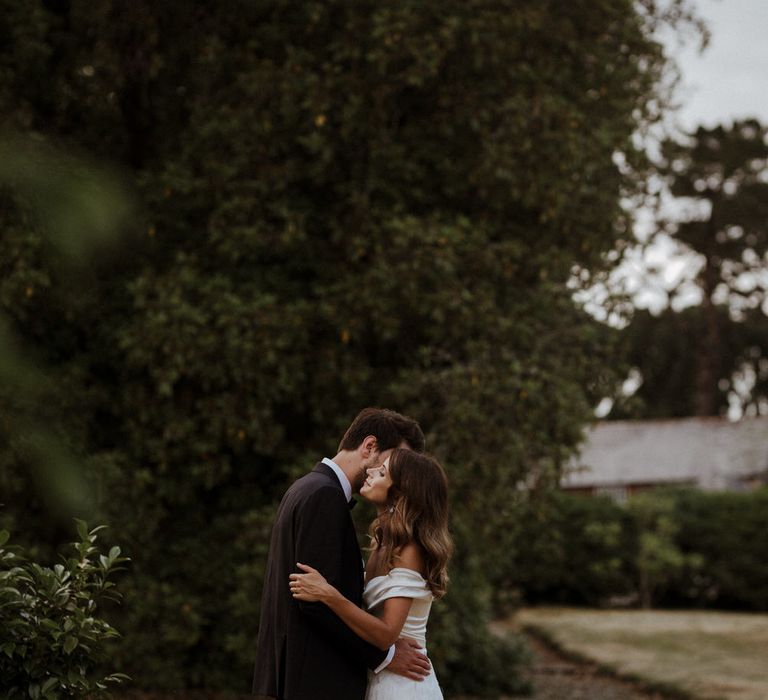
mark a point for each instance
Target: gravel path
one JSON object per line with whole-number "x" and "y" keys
{"x": 557, "y": 678}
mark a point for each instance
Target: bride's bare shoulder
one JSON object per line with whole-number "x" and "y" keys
{"x": 411, "y": 556}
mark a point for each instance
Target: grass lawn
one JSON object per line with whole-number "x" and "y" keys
{"x": 706, "y": 654}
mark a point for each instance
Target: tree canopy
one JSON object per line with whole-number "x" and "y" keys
{"x": 341, "y": 204}
{"x": 702, "y": 359}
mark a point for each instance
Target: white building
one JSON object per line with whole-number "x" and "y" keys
{"x": 620, "y": 458}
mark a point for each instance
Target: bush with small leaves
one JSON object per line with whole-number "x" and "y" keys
{"x": 51, "y": 641}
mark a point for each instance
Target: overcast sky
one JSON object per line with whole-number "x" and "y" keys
{"x": 730, "y": 78}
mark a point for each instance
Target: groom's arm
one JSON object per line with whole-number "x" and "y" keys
{"x": 320, "y": 530}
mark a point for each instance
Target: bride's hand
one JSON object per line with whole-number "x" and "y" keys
{"x": 311, "y": 586}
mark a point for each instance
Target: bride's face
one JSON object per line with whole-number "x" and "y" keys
{"x": 377, "y": 483}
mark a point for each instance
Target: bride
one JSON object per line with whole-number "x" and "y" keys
{"x": 406, "y": 571}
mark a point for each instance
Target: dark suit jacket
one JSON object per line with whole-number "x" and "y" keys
{"x": 305, "y": 652}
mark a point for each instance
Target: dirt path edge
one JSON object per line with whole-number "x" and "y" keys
{"x": 665, "y": 690}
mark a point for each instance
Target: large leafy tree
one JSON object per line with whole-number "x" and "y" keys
{"x": 343, "y": 204}
{"x": 700, "y": 360}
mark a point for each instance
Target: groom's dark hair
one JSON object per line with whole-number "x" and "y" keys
{"x": 388, "y": 427}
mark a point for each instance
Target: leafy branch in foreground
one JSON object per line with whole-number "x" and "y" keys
{"x": 51, "y": 641}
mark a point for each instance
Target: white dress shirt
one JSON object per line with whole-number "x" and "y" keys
{"x": 342, "y": 477}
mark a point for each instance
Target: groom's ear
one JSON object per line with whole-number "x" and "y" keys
{"x": 369, "y": 445}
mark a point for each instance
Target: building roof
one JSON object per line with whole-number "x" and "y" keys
{"x": 712, "y": 452}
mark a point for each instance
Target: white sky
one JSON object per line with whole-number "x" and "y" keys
{"x": 730, "y": 78}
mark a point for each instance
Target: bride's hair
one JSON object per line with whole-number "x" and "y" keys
{"x": 416, "y": 511}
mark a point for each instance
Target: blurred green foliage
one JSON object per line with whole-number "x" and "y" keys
{"x": 681, "y": 548}
{"x": 573, "y": 550}
{"x": 342, "y": 204}
{"x": 51, "y": 642}
{"x": 658, "y": 558}
{"x": 729, "y": 532}
{"x": 60, "y": 215}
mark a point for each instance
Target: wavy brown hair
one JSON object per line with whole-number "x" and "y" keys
{"x": 416, "y": 511}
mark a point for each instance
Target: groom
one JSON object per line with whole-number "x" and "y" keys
{"x": 305, "y": 652}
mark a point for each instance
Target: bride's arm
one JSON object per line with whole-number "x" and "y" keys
{"x": 381, "y": 631}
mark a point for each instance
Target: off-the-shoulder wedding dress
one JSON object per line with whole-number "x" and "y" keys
{"x": 402, "y": 583}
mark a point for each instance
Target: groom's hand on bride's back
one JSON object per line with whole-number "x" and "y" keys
{"x": 409, "y": 661}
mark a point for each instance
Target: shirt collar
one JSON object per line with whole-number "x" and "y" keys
{"x": 342, "y": 477}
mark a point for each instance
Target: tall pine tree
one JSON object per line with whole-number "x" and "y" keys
{"x": 701, "y": 360}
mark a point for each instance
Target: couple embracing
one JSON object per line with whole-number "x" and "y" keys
{"x": 332, "y": 627}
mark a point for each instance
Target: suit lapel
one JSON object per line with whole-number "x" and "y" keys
{"x": 325, "y": 469}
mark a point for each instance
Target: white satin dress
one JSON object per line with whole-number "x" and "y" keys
{"x": 402, "y": 583}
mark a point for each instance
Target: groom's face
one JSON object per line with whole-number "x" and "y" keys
{"x": 371, "y": 459}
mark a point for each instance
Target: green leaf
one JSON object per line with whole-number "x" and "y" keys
{"x": 69, "y": 644}
{"x": 4, "y": 535}
{"x": 49, "y": 685}
{"x": 82, "y": 529}
{"x": 119, "y": 677}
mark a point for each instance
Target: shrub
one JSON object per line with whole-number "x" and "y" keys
{"x": 672, "y": 547}
{"x": 51, "y": 642}
{"x": 658, "y": 558}
{"x": 729, "y": 531}
{"x": 575, "y": 549}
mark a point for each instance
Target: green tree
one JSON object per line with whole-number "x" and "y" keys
{"x": 699, "y": 360}
{"x": 344, "y": 204}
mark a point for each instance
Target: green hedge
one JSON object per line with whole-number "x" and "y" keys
{"x": 677, "y": 548}
{"x": 574, "y": 550}
{"x": 730, "y": 532}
